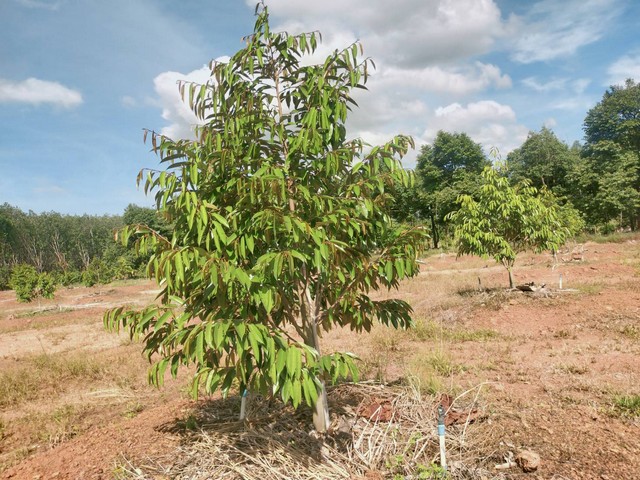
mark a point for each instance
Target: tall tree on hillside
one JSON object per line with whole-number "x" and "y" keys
{"x": 280, "y": 225}
{"x": 447, "y": 169}
{"x": 612, "y": 153}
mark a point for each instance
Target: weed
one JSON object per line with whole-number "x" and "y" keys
{"x": 398, "y": 465}
{"x": 631, "y": 331}
{"x": 573, "y": 369}
{"x": 442, "y": 364}
{"x": 627, "y": 405}
{"x": 64, "y": 426}
{"x": 617, "y": 237}
{"x": 564, "y": 334}
{"x": 426, "y": 371}
{"x": 52, "y": 374}
{"x": 133, "y": 409}
{"x": 44, "y": 311}
{"x": 432, "y": 471}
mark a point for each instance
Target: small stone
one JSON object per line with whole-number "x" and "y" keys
{"x": 528, "y": 460}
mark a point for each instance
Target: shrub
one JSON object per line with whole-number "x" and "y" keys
{"x": 24, "y": 280}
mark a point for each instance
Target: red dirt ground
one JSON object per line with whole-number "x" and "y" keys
{"x": 547, "y": 381}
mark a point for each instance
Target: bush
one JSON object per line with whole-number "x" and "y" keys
{"x": 24, "y": 280}
{"x": 97, "y": 273}
{"x": 71, "y": 277}
{"x": 46, "y": 286}
{"x": 28, "y": 284}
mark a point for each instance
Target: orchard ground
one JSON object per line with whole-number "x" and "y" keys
{"x": 556, "y": 372}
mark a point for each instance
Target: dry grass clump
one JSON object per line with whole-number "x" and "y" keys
{"x": 377, "y": 432}
{"x": 432, "y": 330}
{"x": 53, "y": 374}
{"x": 45, "y": 373}
{"x": 625, "y": 323}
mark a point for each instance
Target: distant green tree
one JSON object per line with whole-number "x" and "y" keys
{"x": 408, "y": 203}
{"x": 5, "y": 276}
{"x": 280, "y": 224}
{"x": 545, "y": 161}
{"x": 610, "y": 176}
{"x": 447, "y": 169}
{"x": 504, "y": 220}
{"x": 24, "y": 279}
{"x": 150, "y": 217}
{"x": 616, "y": 118}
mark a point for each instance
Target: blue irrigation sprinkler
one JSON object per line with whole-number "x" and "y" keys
{"x": 443, "y": 450}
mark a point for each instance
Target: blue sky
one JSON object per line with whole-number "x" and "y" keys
{"x": 80, "y": 79}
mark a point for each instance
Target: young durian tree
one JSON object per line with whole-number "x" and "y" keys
{"x": 280, "y": 226}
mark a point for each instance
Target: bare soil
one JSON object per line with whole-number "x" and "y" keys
{"x": 545, "y": 368}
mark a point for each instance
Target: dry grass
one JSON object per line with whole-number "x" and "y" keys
{"x": 438, "y": 331}
{"x": 51, "y": 375}
{"x": 275, "y": 442}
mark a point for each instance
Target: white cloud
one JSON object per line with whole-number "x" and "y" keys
{"x": 128, "y": 101}
{"x": 36, "y": 92}
{"x": 580, "y": 85}
{"x": 174, "y": 110}
{"x": 44, "y": 4}
{"x": 577, "y": 86}
{"x": 50, "y": 190}
{"x": 625, "y": 67}
{"x": 553, "y": 29}
{"x": 454, "y": 80}
{"x": 575, "y": 103}
{"x": 487, "y": 122}
{"x": 556, "y": 84}
{"x": 406, "y": 33}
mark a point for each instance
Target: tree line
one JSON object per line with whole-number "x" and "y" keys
{"x": 71, "y": 248}
{"x": 596, "y": 184}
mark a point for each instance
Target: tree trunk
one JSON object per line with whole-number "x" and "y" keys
{"x": 321, "y": 419}
{"x": 310, "y": 314}
{"x": 510, "y": 278}
{"x": 434, "y": 232}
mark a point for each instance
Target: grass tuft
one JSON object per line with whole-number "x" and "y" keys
{"x": 627, "y": 405}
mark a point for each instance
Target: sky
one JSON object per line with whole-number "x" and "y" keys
{"x": 81, "y": 79}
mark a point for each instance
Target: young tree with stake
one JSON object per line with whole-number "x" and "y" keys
{"x": 280, "y": 226}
